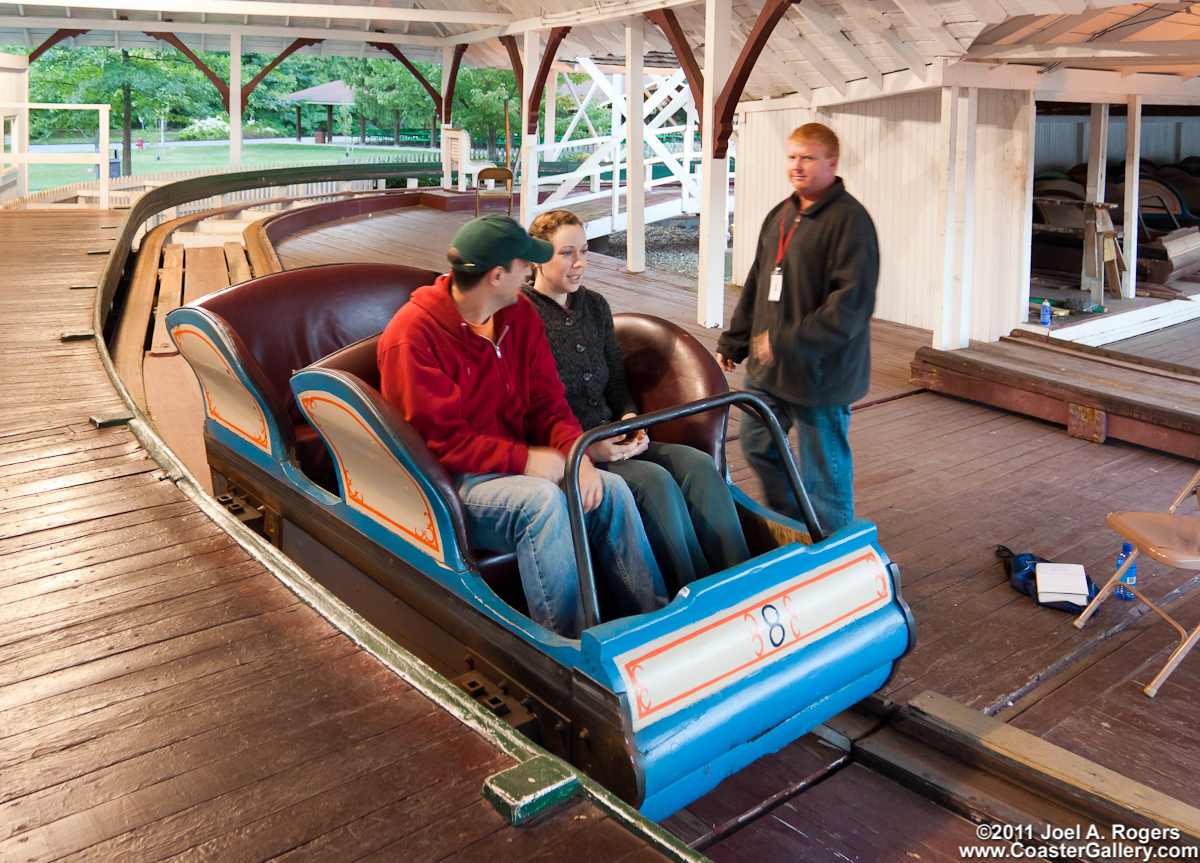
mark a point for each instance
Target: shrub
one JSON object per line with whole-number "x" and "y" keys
{"x": 208, "y": 129}
{"x": 260, "y": 130}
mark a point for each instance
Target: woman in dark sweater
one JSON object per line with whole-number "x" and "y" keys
{"x": 685, "y": 504}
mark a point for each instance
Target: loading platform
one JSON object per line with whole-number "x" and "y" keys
{"x": 166, "y": 695}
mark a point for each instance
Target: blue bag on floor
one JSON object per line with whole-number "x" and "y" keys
{"x": 1022, "y": 568}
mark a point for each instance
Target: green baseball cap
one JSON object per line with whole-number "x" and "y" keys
{"x": 493, "y": 241}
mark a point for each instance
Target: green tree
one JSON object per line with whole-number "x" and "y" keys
{"x": 388, "y": 94}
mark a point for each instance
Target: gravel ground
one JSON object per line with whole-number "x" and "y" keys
{"x": 673, "y": 249}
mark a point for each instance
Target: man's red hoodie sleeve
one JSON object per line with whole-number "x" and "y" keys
{"x": 432, "y": 403}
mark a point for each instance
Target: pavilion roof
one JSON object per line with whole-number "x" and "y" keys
{"x": 820, "y": 48}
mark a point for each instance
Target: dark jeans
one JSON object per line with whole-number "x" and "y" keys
{"x": 687, "y": 510}
{"x": 822, "y": 456}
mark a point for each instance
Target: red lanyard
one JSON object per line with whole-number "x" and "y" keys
{"x": 783, "y": 243}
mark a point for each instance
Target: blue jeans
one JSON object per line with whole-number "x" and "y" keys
{"x": 823, "y": 458}
{"x": 689, "y": 515}
{"x": 508, "y": 511}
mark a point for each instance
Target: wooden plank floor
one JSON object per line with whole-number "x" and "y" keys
{"x": 855, "y": 814}
{"x": 162, "y": 695}
{"x": 1179, "y": 344}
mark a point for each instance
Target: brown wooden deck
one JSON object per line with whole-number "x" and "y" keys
{"x": 1179, "y": 344}
{"x": 162, "y": 695}
{"x": 1096, "y": 392}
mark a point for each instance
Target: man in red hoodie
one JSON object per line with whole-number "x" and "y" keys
{"x": 466, "y": 360}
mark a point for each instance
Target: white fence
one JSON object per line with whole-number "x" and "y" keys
{"x": 20, "y": 141}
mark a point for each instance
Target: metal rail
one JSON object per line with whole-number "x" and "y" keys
{"x": 749, "y": 403}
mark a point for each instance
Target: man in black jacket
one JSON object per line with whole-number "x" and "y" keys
{"x": 804, "y": 321}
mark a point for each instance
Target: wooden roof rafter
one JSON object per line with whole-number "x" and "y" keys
{"x": 278, "y": 9}
{"x": 928, "y": 19}
{"x": 864, "y": 13}
{"x": 819, "y": 17}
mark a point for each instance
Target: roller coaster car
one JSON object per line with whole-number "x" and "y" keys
{"x": 657, "y": 707}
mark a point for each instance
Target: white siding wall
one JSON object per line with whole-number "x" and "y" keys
{"x": 1062, "y": 141}
{"x": 890, "y": 162}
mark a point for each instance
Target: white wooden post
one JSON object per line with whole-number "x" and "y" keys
{"x": 964, "y": 218}
{"x": 21, "y": 142}
{"x": 618, "y": 136}
{"x": 532, "y": 57}
{"x": 1028, "y": 122}
{"x": 1133, "y": 173}
{"x": 635, "y": 148}
{"x": 1092, "y": 277}
{"x": 447, "y": 61}
{"x": 105, "y": 199}
{"x": 947, "y": 199}
{"x": 235, "y": 100}
{"x": 714, "y": 173}
{"x": 551, "y": 133}
{"x": 690, "y": 204}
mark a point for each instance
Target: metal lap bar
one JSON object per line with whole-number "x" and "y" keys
{"x": 745, "y": 401}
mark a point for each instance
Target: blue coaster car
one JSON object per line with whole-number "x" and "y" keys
{"x": 658, "y": 707}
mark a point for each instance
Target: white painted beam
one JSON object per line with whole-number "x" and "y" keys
{"x": 928, "y": 19}
{"x": 714, "y": 173}
{"x": 947, "y": 196}
{"x": 1092, "y": 277}
{"x": 635, "y": 156}
{"x": 987, "y": 11}
{"x": 907, "y": 54}
{"x": 964, "y": 216}
{"x": 1011, "y": 27}
{"x": 204, "y": 29}
{"x": 1133, "y": 155}
{"x": 813, "y": 57}
{"x": 271, "y": 8}
{"x": 832, "y": 30}
{"x": 531, "y": 57}
{"x": 1111, "y": 51}
{"x": 235, "y": 101}
{"x": 595, "y": 13}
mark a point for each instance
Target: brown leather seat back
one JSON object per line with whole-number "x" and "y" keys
{"x": 288, "y": 320}
{"x": 360, "y": 359}
{"x": 665, "y": 366}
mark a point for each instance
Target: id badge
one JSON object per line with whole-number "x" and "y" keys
{"x": 776, "y": 290}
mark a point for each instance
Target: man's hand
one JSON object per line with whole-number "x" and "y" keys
{"x": 726, "y": 363}
{"x": 591, "y": 489}
{"x": 545, "y": 463}
{"x": 760, "y": 345}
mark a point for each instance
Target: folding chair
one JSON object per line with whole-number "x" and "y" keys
{"x": 500, "y": 175}
{"x": 1168, "y": 538}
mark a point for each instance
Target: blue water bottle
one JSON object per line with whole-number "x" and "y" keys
{"x": 1130, "y": 576}
{"x": 1045, "y": 313}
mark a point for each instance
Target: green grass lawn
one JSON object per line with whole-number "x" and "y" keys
{"x": 152, "y": 160}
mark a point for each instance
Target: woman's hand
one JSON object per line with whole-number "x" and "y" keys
{"x": 620, "y": 448}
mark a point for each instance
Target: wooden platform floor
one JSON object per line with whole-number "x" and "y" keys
{"x": 162, "y": 695}
{"x": 1179, "y": 344}
{"x": 1140, "y": 402}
